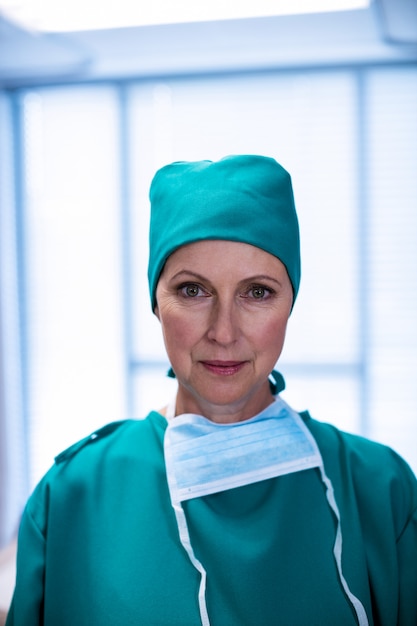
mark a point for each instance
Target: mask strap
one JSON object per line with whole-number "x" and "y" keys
{"x": 184, "y": 534}
{"x": 337, "y": 548}
{"x": 337, "y": 551}
{"x": 186, "y": 542}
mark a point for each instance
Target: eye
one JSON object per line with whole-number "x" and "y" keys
{"x": 191, "y": 290}
{"x": 259, "y": 292}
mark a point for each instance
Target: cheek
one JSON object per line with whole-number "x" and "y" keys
{"x": 271, "y": 335}
{"x": 179, "y": 332}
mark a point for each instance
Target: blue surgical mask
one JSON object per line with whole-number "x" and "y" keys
{"x": 203, "y": 457}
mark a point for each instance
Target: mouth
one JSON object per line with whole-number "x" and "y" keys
{"x": 224, "y": 368}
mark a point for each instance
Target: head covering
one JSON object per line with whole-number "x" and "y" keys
{"x": 243, "y": 198}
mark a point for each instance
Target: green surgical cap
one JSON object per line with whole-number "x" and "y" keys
{"x": 243, "y": 198}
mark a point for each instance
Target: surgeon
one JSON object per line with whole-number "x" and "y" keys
{"x": 227, "y": 507}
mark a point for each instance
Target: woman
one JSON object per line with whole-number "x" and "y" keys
{"x": 226, "y": 508}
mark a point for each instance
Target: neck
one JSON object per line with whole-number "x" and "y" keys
{"x": 239, "y": 411}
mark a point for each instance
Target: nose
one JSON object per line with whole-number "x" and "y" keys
{"x": 224, "y": 323}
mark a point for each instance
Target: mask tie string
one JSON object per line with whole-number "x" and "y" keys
{"x": 337, "y": 551}
{"x": 186, "y": 542}
{"x": 184, "y": 534}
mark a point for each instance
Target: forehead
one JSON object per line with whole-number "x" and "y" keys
{"x": 220, "y": 258}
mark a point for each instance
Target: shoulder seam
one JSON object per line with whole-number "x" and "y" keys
{"x": 101, "y": 433}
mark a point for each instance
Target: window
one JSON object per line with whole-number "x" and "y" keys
{"x": 348, "y": 137}
{"x": 72, "y": 249}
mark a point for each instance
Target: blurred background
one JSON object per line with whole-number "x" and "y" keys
{"x": 94, "y": 97}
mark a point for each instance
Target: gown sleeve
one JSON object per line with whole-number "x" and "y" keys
{"x": 407, "y": 565}
{"x": 27, "y": 602}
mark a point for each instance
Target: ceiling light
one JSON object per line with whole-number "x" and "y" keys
{"x": 50, "y": 15}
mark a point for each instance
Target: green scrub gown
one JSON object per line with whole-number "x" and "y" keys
{"x": 99, "y": 543}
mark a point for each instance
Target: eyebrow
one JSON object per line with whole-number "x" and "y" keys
{"x": 250, "y": 279}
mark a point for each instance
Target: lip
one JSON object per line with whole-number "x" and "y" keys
{"x": 224, "y": 368}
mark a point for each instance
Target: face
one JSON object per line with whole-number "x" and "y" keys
{"x": 223, "y": 307}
